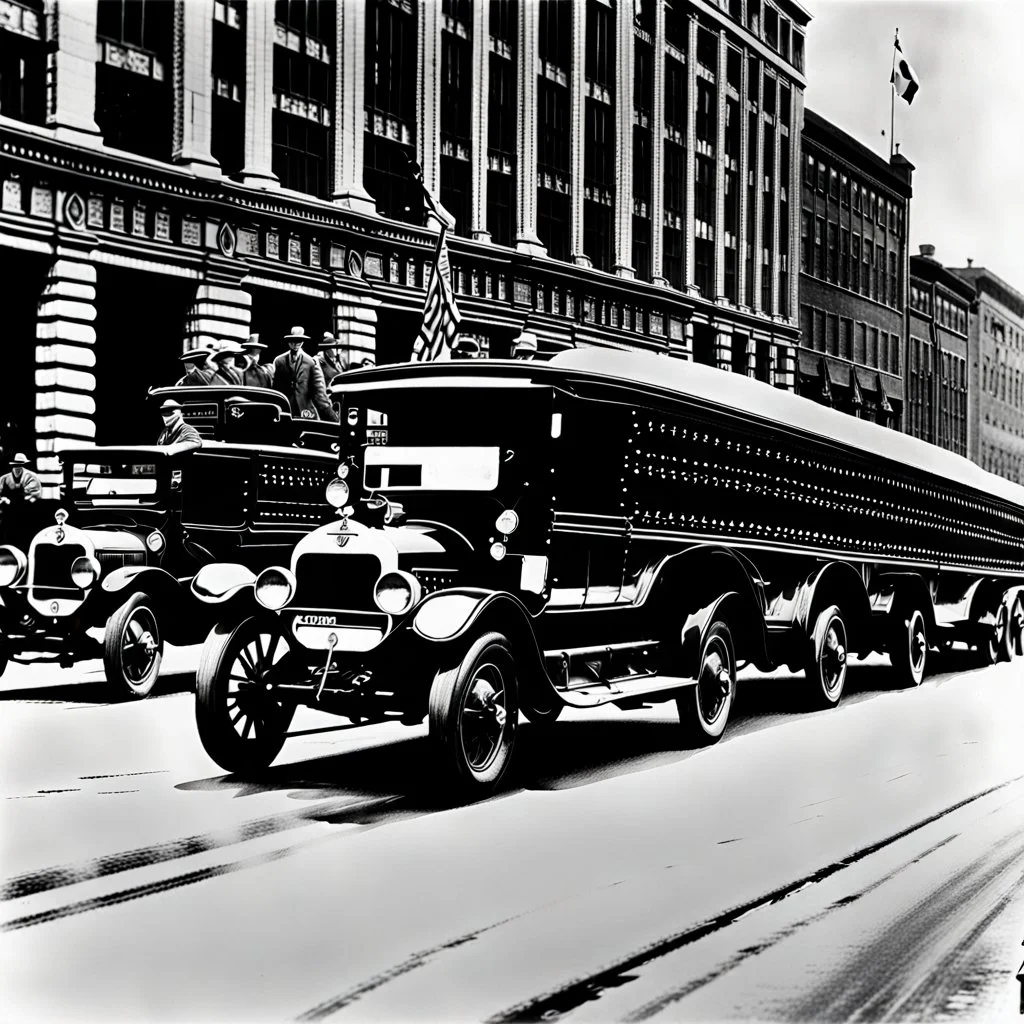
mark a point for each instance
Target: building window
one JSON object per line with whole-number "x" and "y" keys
{"x": 227, "y": 135}
{"x": 553, "y": 154}
{"x": 599, "y": 137}
{"x": 675, "y": 213}
{"x": 23, "y": 62}
{"x": 501, "y": 122}
{"x": 456, "y": 80}
{"x": 643, "y": 100}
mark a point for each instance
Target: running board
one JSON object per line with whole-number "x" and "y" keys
{"x": 596, "y": 694}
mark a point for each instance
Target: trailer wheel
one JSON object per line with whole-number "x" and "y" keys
{"x": 241, "y": 726}
{"x": 908, "y": 646}
{"x": 704, "y": 708}
{"x": 1017, "y": 625}
{"x": 995, "y": 644}
{"x": 473, "y": 715}
{"x": 132, "y": 648}
{"x": 827, "y": 659}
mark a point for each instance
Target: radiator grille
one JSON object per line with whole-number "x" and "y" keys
{"x": 51, "y": 569}
{"x": 336, "y": 581}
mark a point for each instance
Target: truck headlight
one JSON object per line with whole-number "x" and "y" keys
{"x": 337, "y": 493}
{"x": 12, "y": 565}
{"x": 155, "y": 541}
{"x": 85, "y": 571}
{"x": 507, "y": 522}
{"x": 396, "y": 592}
{"x": 274, "y": 588}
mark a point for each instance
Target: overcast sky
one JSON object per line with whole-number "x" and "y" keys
{"x": 964, "y": 132}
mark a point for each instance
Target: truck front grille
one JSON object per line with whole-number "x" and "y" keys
{"x": 341, "y": 581}
{"x": 51, "y": 569}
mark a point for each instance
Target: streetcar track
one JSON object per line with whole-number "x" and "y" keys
{"x": 558, "y": 1001}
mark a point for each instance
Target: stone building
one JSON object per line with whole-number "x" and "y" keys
{"x": 854, "y": 224}
{"x": 176, "y": 172}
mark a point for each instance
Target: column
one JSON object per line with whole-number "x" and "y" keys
{"x": 193, "y": 86}
{"x": 526, "y": 171}
{"x": 478, "y": 125}
{"x": 65, "y": 363}
{"x": 658, "y": 149}
{"x": 785, "y": 366}
{"x": 219, "y": 313}
{"x": 723, "y": 350}
{"x": 624, "y": 59}
{"x": 71, "y": 73}
{"x": 721, "y": 75}
{"x": 577, "y": 128}
{"x": 355, "y": 326}
{"x": 259, "y": 96}
{"x": 742, "y": 298}
{"x": 687, "y": 352}
{"x": 773, "y": 198}
{"x": 428, "y": 98}
{"x": 754, "y": 301}
{"x": 691, "y": 158}
{"x": 349, "y": 131}
{"x": 796, "y": 129}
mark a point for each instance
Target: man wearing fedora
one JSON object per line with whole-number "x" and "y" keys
{"x": 224, "y": 360}
{"x": 299, "y": 378}
{"x": 18, "y": 489}
{"x": 177, "y": 435}
{"x": 331, "y": 364}
{"x": 254, "y": 373}
{"x": 199, "y": 372}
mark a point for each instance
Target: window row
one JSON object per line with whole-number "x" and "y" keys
{"x": 853, "y": 340}
{"x": 1003, "y": 382}
{"x": 946, "y": 312}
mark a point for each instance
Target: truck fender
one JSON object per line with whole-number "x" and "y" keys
{"x": 124, "y": 582}
{"x": 695, "y": 630}
{"x": 218, "y": 582}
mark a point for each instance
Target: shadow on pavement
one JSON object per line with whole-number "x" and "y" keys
{"x": 94, "y": 691}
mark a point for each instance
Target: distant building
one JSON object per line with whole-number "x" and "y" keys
{"x": 996, "y": 417}
{"x": 938, "y": 354}
{"x": 854, "y": 221}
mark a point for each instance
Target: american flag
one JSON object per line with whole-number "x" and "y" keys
{"x": 441, "y": 316}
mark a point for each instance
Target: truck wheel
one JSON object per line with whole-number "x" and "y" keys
{"x": 995, "y": 642}
{"x": 241, "y": 726}
{"x": 132, "y": 648}
{"x": 473, "y": 715}
{"x": 1017, "y": 625}
{"x": 704, "y": 708}
{"x": 827, "y": 659}
{"x": 908, "y": 646}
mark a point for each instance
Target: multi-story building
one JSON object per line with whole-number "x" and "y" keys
{"x": 622, "y": 173}
{"x": 995, "y": 436}
{"x": 854, "y": 220}
{"x": 937, "y": 393}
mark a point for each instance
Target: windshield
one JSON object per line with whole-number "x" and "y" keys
{"x": 97, "y": 483}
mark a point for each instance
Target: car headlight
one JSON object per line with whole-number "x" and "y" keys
{"x": 85, "y": 571}
{"x": 274, "y": 588}
{"x": 155, "y": 541}
{"x": 337, "y": 493}
{"x": 396, "y": 592}
{"x": 343, "y": 470}
{"x": 12, "y": 565}
{"x": 507, "y": 522}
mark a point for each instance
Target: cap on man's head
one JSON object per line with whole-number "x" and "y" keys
{"x": 296, "y": 334}
{"x": 196, "y": 355}
{"x": 228, "y": 350}
{"x": 253, "y": 341}
{"x": 170, "y": 405}
{"x": 19, "y": 460}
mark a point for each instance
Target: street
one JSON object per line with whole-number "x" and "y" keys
{"x": 862, "y": 863}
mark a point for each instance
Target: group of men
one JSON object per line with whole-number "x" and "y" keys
{"x": 296, "y": 374}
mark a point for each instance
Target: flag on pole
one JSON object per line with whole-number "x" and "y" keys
{"x": 904, "y": 79}
{"x": 441, "y": 316}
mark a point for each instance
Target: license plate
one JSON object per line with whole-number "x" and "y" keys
{"x": 376, "y": 437}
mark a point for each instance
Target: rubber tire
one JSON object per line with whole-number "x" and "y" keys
{"x": 991, "y": 647}
{"x": 1018, "y": 638}
{"x": 904, "y": 671}
{"x": 1006, "y": 646}
{"x": 216, "y": 731}
{"x": 818, "y": 696}
{"x": 696, "y": 730}
{"x": 448, "y": 694}
{"x": 113, "y": 653}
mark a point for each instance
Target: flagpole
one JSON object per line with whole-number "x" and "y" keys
{"x": 892, "y": 97}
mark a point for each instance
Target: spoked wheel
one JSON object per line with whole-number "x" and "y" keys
{"x": 1017, "y": 625}
{"x": 908, "y": 647}
{"x": 242, "y": 722}
{"x": 132, "y": 648}
{"x": 474, "y": 709}
{"x": 826, "y": 666}
{"x": 704, "y": 709}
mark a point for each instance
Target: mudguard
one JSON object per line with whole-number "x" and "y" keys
{"x": 122, "y": 583}
{"x": 695, "y": 629}
{"x": 219, "y": 582}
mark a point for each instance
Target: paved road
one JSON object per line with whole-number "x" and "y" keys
{"x": 864, "y": 863}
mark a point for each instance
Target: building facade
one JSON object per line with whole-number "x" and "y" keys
{"x": 996, "y": 340}
{"x": 854, "y": 223}
{"x": 178, "y": 172}
{"x": 937, "y": 407}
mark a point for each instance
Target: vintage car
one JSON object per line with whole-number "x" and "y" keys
{"x": 601, "y": 528}
{"x": 138, "y": 522}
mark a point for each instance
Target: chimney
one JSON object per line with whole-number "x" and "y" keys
{"x": 970, "y": 262}
{"x": 928, "y": 251}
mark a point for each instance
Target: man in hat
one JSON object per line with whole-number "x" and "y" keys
{"x": 199, "y": 372}
{"x": 224, "y": 360}
{"x": 177, "y": 435}
{"x": 255, "y": 374}
{"x": 331, "y": 364}
{"x": 299, "y": 378}
{"x": 18, "y": 489}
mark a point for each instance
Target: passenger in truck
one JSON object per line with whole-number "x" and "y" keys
{"x": 200, "y": 372}
{"x": 254, "y": 373}
{"x": 177, "y": 435}
{"x": 299, "y": 378}
{"x": 224, "y": 359}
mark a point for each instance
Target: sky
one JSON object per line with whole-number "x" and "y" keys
{"x": 964, "y": 131}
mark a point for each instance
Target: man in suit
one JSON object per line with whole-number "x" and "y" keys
{"x": 254, "y": 373}
{"x": 177, "y": 435}
{"x": 19, "y": 489}
{"x": 299, "y": 378}
{"x": 331, "y": 364}
{"x": 199, "y": 372}
{"x": 224, "y": 360}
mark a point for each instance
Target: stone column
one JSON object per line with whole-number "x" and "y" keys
{"x": 796, "y": 128}
{"x": 743, "y": 240}
{"x": 721, "y": 74}
{"x": 259, "y": 96}
{"x": 219, "y": 313}
{"x": 478, "y": 123}
{"x": 624, "y": 60}
{"x": 691, "y": 159}
{"x": 65, "y": 363}
{"x": 71, "y": 73}
{"x": 193, "y": 86}
{"x": 526, "y": 169}
{"x": 773, "y": 198}
{"x": 658, "y": 149}
{"x": 428, "y": 98}
{"x": 785, "y": 376}
{"x": 349, "y": 129}
{"x": 754, "y": 301}
{"x": 723, "y": 350}
{"x": 577, "y": 129}
{"x": 687, "y": 351}
{"x": 355, "y": 326}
